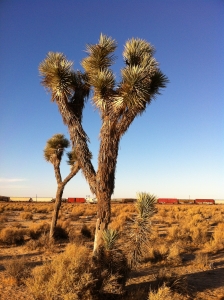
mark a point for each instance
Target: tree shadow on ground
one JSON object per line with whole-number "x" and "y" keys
{"x": 196, "y": 282}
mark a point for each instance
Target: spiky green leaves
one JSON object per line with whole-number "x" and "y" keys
{"x": 141, "y": 77}
{"x": 138, "y": 87}
{"x": 55, "y": 147}
{"x": 97, "y": 66}
{"x": 72, "y": 157}
{"x": 109, "y": 237}
{"x": 140, "y": 232}
{"x": 56, "y": 75}
{"x": 100, "y": 55}
{"x": 137, "y": 51}
{"x": 145, "y": 205}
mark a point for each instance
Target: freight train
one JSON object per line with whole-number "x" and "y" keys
{"x": 91, "y": 200}
{"x": 184, "y": 201}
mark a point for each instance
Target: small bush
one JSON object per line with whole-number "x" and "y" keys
{"x": 37, "y": 230}
{"x": 163, "y": 293}
{"x": 26, "y": 215}
{"x": 60, "y": 232}
{"x": 86, "y": 232}
{"x": 174, "y": 254}
{"x": 12, "y": 236}
{"x": 78, "y": 210}
{"x": 201, "y": 260}
{"x": 17, "y": 268}
{"x": 3, "y": 219}
{"x": 43, "y": 243}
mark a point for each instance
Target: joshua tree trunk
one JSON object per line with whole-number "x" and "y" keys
{"x": 57, "y": 206}
{"x": 105, "y": 180}
{"x": 60, "y": 190}
{"x": 79, "y": 140}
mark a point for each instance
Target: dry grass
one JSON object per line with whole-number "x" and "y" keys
{"x": 12, "y": 236}
{"x": 183, "y": 238}
{"x": 26, "y": 216}
{"x": 65, "y": 277}
{"x": 163, "y": 293}
{"x": 17, "y": 269}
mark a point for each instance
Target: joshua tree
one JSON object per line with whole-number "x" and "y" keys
{"x": 118, "y": 105}
{"x": 53, "y": 153}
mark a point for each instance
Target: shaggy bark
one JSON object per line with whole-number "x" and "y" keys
{"x": 79, "y": 140}
{"x": 105, "y": 179}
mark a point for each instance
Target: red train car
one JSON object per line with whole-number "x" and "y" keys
{"x": 76, "y": 200}
{"x": 204, "y": 201}
{"x": 167, "y": 201}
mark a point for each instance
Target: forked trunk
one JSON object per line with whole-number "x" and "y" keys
{"x": 80, "y": 141}
{"x": 60, "y": 190}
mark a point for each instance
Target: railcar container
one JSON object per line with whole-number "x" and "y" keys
{"x": 219, "y": 201}
{"x": 21, "y": 199}
{"x": 43, "y": 199}
{"x": 204, "y": 201}
{"x": 167, "y": 201}
{"x": 62, "y": 200}
{"x": 186, "y": 201}
{"x": 127, "y": 200}
{"x": 76, "y": 200}
{"x": 4, "y": 198}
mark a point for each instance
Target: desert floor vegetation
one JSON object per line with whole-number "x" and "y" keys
{"x": 183, "y": 258}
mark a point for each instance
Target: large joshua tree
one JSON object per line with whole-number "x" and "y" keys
{"x": 118, "y": 105}
{"x": 53, "y": 153}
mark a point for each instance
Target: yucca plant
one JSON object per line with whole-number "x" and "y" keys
{"x": 110, "y": 237}
{"x": 141, "y": 227}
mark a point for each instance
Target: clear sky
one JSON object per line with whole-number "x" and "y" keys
{"x": 175, "y": 149}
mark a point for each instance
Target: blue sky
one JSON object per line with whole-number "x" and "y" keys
{"x": 175, "y": 149}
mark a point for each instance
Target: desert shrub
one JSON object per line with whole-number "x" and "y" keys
{"x": 60, "y": 232}
{"x": 174, "y": 254}
{"x": 176, "y": 284}
{"x": 38, "y": 229}
{"x": 12, "y": 236}
{"x": 163, "y": 293}
{"x": 78, "y": 210}
{"x": 86, "y": 232}
{"x": 44, "y": 209}
{"x": 3, "y": 219}
{"x": 26, "y": 215}
{"x": 66, "y": 277}
{"x": 43, "y": 243}
{"x": 119, "y": 222}
{"x": 217, "y": 217}
{"x": 17, "y": 268}
{"x": 217, "y": 241}
{"x": 173, "y": 233}
{"x": 112, "y": 270}
{"x": 2, "y": 209}
{"x": 17, "y": 207}
{"x": 197, "y": 218}
{"x": 90, "y": 210}
{"x": 198, "y": 234}
{"x": 201, "y": 260}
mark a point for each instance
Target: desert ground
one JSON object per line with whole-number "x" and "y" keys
{"x": 184, "y": 256}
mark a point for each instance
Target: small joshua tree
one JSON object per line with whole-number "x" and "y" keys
{"x": 53, "y": 153}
